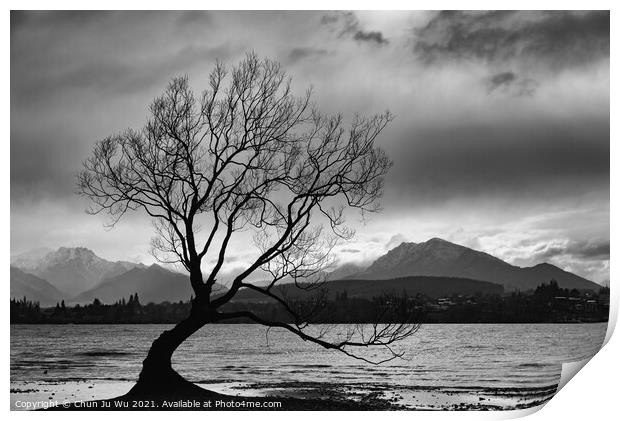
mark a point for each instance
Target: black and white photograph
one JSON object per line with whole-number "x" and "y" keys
{"x": 349, "y": 210}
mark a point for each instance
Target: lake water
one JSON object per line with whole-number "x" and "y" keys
{"x": 444, "y": 365}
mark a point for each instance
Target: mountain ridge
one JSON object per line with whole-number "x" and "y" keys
{"x": 431, "y": 286}
{"x": 71, "y": 270}
{"x": 24, "y": 284}
{"x": 152, "y": 283}
{"x": 438, "y": 257}
{"x": 111, "y": 281}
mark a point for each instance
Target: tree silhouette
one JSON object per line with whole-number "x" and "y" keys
{"x": 245, "y": 155}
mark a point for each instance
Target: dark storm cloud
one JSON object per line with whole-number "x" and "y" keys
{"x": 530, "y": 161}
{"x": 63, "y": 63}
{"x": 586, "y": 250}
{"x": 348, "y": 25}
{"x": 510, "y": 82}
{"x": 468, "y": 142}
{"x": 555, "y": 38}
{"x": 598, "y": 251}
{"x": 371, "y": 36}
{"x": 44, "y": 162}
{"x": 502, "y": 79}
{"x": 123, "y": 76}
{"x": 42, "y": 169}
{"x": 20, "y": 18}
{"x": 301, "y": 53}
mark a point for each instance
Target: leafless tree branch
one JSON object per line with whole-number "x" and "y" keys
{"x": 244, "y": 155}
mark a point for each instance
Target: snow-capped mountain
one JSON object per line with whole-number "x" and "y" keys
{"x": 72, "y": 270}
{"x": 437, "y": 257}
{"x": 29, "y": 260}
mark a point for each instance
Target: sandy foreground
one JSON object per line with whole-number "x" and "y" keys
{"x": 81, "y": 394}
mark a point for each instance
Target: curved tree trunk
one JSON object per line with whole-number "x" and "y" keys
{"x": 158, "y": 378}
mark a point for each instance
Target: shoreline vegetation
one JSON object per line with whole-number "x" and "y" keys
{"x": 548, "y": 303}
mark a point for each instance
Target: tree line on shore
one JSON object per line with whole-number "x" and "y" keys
{"x": 548, "y": 303}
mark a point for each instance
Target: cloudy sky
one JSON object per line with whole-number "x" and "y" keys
{"x": 500, "y": 142}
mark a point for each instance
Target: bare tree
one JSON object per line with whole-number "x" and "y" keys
{"x": 245, "y": 155}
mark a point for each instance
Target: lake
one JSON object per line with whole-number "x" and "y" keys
{"x": 499, "y": 366}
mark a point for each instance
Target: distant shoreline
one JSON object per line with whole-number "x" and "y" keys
{"x": 548, "y": 303}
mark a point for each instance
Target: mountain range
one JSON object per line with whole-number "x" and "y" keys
{"x": 71, "y": 270}
{"x": 78, "y": 276}
{"x": 435, "y": 267}
{"x": 437, "y": 257}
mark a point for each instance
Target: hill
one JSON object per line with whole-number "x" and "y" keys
{"x": 33, "y": 288}
{"x": 153, "y": 284}
{"x": 431, "y": 286}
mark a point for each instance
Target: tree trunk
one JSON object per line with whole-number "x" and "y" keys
{"x": 158, "y": 379}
